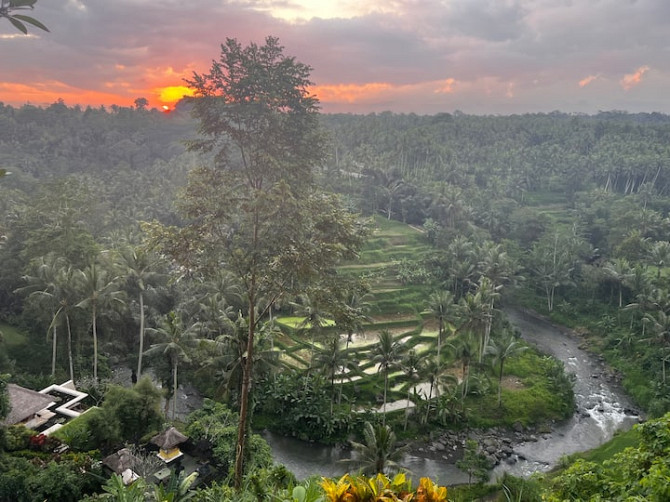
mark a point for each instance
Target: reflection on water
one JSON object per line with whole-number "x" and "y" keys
{"x": 308, "y": 459}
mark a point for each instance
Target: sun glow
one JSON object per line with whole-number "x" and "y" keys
{"x": 172, "y": 94}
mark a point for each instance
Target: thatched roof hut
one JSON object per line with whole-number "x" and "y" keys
{"x": 169, "y": 439}
{"x": 120, "y": 461}
{"x": 25, "y": 403}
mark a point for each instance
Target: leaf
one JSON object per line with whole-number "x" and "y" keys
{"x": 299, "y": 493}
{"x": 18, "y": 25}
{"x": 31, "y": 20}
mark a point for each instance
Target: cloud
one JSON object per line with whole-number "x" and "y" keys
{"x": 630, "y": 80}
{"x": 366, "y": 54}
{"x": 587, "y": 80}
{"x": 447, "y": 86}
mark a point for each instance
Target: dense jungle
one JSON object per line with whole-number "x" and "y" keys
{"x": 351, "y": 292}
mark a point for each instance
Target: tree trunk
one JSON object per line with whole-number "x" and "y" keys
{"x": 174, "y": 389}
{"x": 430, "y": 396}
{"x": 386, "y": 384}
{"x": 53, "y": 353}
{"x": 244, "y": 395}
{"x": 69, "y": 347}
{"x": 139, "y": 357}
{"x": 500, "y": 375}
{"x": 95, "y": 347}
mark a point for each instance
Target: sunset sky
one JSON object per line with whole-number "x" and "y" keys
{"x": 422, "y": 56}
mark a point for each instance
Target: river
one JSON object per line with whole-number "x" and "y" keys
{"x": 602, "y": 409}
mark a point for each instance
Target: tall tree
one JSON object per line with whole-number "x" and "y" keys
{"x": 256, "y": 210}
{"x": 386, "y": 354}
{"x": 139, "y": 269}
{"x": 174, "y": 343}
{"x": 441, "y": 305}
{"x": 100, "y": 291}
{"x": 502, "y": 350}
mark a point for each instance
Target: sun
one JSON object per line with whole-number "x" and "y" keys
{"x": 171, "y": 94}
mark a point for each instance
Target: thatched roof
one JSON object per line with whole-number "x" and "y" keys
{"x": 25, "y": 403}
{"x": 120, "y": 461}
{"x": 169, "y": 438}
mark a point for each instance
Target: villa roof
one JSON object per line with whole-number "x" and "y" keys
{"x": 120, "y": 461}
{"x": 25, "y": 403}
{"x": 169, "y": 438}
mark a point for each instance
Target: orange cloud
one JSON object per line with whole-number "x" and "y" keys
{"x": 586, "y": 81}
{"x": 350, "y": 93}
{"x": 447, "y": 87}
{"x": 48, "y": 92}
{"x": 632, "y": 79}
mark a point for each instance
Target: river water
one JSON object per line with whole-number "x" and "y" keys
{"x": 602, "y": 409}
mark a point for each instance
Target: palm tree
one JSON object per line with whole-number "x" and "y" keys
{"x": 354, "y": 314}
{"x": 660, "y": 256}
{"x": 386, "y": 354}
{"x": 314, "y": 320}
{"x": 441, "y": 305}
{"x": 464, "y": 351}
{"x": 379, "y": 453}
{"x": 99, "y": 291}
{"x": 411, "y": 365}
{"x": 174, "y": 345}
{"x": 332, "y": 359}
{"x": 433, "y": 372}
{"x": 229, "y": 353}
{"x": 53, "y": 283}
{"x": 502, "y": 350}
{"x": 477, "y": 313}
{"x": 660, "y": 325}
{"x": 619, "y": 271}
{"x": 138, "y": 267}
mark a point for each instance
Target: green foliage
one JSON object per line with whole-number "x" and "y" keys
{"x": 515, "y": 489}
{"x": 474, "y": 463}
{"x": 636, "y": 473}
{"x": 17, "y": 437}
{"x": 217, "y": 424}
{"x": 126, "y": 414}
{"x": 379, "y": 453}
{"x": 298, "y": 405}
{"x": 8, "y": 9}
{"x": 22, "y": 480}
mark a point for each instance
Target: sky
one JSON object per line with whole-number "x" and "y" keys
{"x": 482, "y": 57}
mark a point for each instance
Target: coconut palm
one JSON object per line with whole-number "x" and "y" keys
{"x": 441, "y": 305}
{"x": 464, "y": 351}
{"x": 175, "y": 342}
{"x": 314, "y": 319}
{"x": 100, "y": 291}
{"x": 660, "y": 327}
{"x": 331, "y": 359}
{"x": 379, "y": 453}
{"x": 660, "y": 256}
{"x": 228, "y": 353}
{"x": 386, "y": 354}
{"x": 476, "y": 314}
{"x": 354, "y": 314}
{"x": 502, "y": 350}
{"x": 620, "y": 272}
{"x": 139, "y": 270}
{"x": 411, "y": 365}
{"x": 53, "y": 284}
{"x": 434, "y": 373}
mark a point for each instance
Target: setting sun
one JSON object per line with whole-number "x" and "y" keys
{"x": 172, "y": 94}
